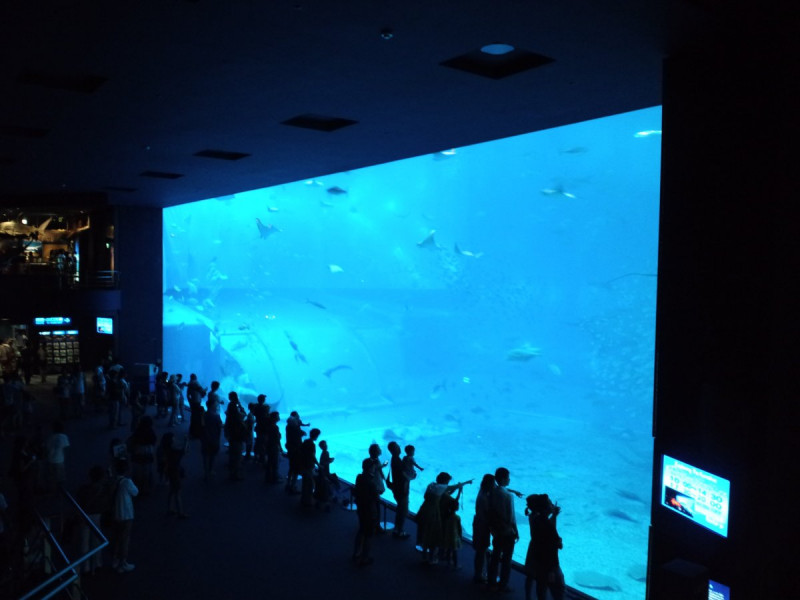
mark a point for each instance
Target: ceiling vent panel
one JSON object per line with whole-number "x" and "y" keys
{"x": 84, "y": 84}
{"x": 160, "y": 175}
{"x": 23, "y": 132}
{"x": 221, "y": 154}
{"x": 319, "y": 122}
{"x": 117, "y": 188}
{"x": 497, "y": 66}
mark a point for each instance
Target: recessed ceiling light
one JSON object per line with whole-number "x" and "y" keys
{"x": 497, "y": 49}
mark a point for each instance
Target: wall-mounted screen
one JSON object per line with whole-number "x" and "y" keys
{"x": 492, "y": 305}
{"x": 105, "y": 325}
{"x": 717, "y": 591}
{"x": 695, "y": 494}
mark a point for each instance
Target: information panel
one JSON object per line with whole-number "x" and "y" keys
{"x": 695, "y": 494}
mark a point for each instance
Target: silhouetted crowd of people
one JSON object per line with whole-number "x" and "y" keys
{"x": 141, "y": 461}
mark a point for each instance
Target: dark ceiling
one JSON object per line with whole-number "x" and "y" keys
{"x": 118, "y": 99}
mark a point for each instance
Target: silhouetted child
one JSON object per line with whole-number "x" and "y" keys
{"x": 323, "y": 492}
{"x": 409, "y": 464}
{"x": 451, "y": 528}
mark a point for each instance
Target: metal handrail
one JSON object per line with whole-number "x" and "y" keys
{"x": 70, "y": 570}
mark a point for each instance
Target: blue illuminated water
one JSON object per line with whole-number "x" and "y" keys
{"x": 520, "y": 333}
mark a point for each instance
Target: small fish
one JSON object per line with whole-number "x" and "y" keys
{"x": 558, "y": 191}
{"x": 314, "y": 182}
{"x": 336, "y": 191}
{"x": 429, "y": 241}
{"x": 244, "y": 327}
{"x": 458, "y": 250}
{"x": 444, "y": 154}
{"x": 524, "y": 353}
{"x": 333, "y": 370}
{"x": 335, "y": 269}
{"x": 575, "y": 150}
{"x": 265, "y": 230}
{"x": 317, "y": 304}
{"x": 272, "y": 209}
{"x": 647, "y": 133}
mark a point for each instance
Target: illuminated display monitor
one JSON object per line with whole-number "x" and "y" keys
{"x": 52, "y": 321}
{"x": 695, "y": 494}
{"x": 492, "y": 305}
{"x": 105, "y": 325}
{"x": 717, "y": 591}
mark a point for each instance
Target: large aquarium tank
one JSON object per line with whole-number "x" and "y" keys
{"x": 492, "y": 305}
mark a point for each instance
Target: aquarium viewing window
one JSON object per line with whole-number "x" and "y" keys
{"x": 695, "y": 494}
{"x": 492, "y": 305}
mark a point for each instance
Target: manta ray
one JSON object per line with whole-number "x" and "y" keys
{"x": 429, "y": 241}
{"x": 265, "y": 230}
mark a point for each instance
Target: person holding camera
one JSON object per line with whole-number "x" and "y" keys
{"x": 541, "y": 561}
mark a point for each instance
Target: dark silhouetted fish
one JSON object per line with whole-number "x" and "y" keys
{"x": 265, "y": 230}
{"x": 621, "y": 515}
{"x": 631, "y": 496}
{"x": 333, "y": 370}
{"x": 317, "y": 304}
{"x": 298, "y": 356}
{"x": 336, "y": 190}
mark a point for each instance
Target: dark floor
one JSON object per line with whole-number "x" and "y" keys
{"x": 247, "y": 539}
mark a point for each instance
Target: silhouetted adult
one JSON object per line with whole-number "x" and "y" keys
{"x": 124, "y": 492}
{"x": 380, "y": 481}
{"x": 195, "y": 392}
{"x": 366, "y": 497}
{"x": 294, "y": 440}
{"x": 142, "y": 450}
{"x": 261, "y": 412}
{"x": 308, "y": 457}
{"x": 235, "y": 433}
{"x": 430, "y": 530}
{"x": 541, "y": 561}
{"x": 481, "y": 535}
{"x": 273, "y": 448}
{"x": 400, "y": 486}
{"x": 503, "y": 524}
{"x": 209, "y": 443}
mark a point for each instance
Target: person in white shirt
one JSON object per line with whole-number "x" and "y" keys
{"x": 54, "y": 447}
{"x": 124, "y": 492}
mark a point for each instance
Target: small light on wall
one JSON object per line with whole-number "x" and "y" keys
{"x": 387, "y": 33}
{"x": 497, "y": 49}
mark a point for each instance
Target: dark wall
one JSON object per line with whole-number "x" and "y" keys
{"x": 726, "y": 391}
{"x": 138, "y": 252}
